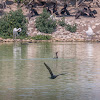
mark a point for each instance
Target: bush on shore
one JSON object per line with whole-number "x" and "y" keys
{"x": 62, "y": 22}
{"x": 42, "y": 37}
{"x": 71, "y": 28}
{"x": 44, "y": 23}
{"x": 14, "y": 19}
{"x": 68, "y": 27}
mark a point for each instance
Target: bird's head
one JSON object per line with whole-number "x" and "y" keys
{"x": 19, "y": 29}
{"x": 56, "y": 52}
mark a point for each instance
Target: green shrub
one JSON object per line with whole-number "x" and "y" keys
{"x": 71, "y": 28}
{"x": 13, "y": 20}
{"x": 5, "y": 37}
{"x": 42, "y": 37}
{"x": 62, "y": 22}
{"x": 44, "y": 23}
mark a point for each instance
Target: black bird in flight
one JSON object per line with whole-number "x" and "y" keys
{"x": 51, "y": 73}
{"x": 56, "y": 57}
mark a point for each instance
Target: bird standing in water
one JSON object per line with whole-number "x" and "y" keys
{"x": 56, "y": 57}
{"x": 51, "y": 73}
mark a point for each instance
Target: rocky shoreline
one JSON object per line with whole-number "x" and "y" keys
{"x": 63, "y": 35}
{"x": 23, "y": 40}
{"x": 60, "y": 33}
{"x": 61, "y": 38}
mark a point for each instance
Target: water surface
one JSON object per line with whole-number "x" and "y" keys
{"x": 23, "y": 75}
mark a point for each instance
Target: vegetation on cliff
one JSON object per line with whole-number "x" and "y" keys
{"x": 44, "y": 23}
{"x": 71, "y": 28}
{"x": 42, "y": 37}
{"x": 13, "y": 20}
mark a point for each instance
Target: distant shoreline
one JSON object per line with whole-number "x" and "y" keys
{"x": 52, "y": 40}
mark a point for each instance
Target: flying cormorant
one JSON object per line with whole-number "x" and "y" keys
{"x": 51, "y": 73}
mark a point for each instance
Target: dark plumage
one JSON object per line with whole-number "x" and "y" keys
{"x": 64, "y": 10}
{"x": 85, "y": 11}
{"x": 43, "y": 3}
{"x": 78, "y": 14}
{"x": 94, "y": 11}
{"x": 34, "y": 11}
{"x": 55, "y": 9}
{"x": 56, "y": 57}
{"x": 51, "y": 73}
{"x": 48, "y": 10}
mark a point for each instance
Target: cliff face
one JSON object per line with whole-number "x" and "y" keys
{"x": 80, "y": 35}
{"x": 60, "y": 33}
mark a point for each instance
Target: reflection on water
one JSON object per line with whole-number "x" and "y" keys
{"x": 23, "y": 75}
{"x": 90, "y": 50}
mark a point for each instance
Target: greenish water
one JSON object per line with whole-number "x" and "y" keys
{"x": 23, "y": 75}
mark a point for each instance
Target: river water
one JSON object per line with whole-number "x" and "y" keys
{"x": 23, "y": 75}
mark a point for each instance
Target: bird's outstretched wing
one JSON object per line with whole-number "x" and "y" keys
{"x": 48, "y": 69}
{"x": 62, "y": 74}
